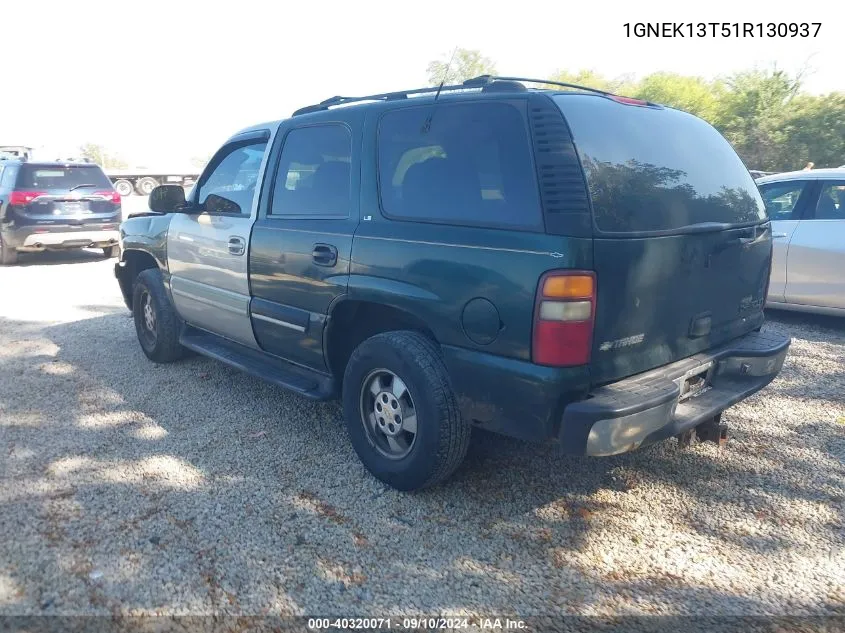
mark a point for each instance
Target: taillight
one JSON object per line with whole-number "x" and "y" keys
{"x": 563, "y": 318}
{"x": 24, "y": 197}
{"x": 631, "y": 101}
{"x": 110, "y": 194}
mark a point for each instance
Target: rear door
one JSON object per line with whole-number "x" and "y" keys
{"x": 301, "y": 243}
{"x": 785, "y": 203}
{"x": 682, "y": 246}
{"x": 207, "y": 250}
{"x": 816, "y": 260}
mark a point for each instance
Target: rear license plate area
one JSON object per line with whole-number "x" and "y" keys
{"x": 695, "y": 382}
{"x": 71, "y": 208}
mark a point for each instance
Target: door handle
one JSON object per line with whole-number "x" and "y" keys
{"x": 777, "y": 235}
{"x": 324, "y": 255}
{"x": 237, "y": 246}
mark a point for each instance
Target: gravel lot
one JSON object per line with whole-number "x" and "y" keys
{"x": 191, "y": 488}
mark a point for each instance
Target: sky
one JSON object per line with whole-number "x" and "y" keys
{"x": 162, "y": 82}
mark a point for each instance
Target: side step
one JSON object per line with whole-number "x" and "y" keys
{"x": 310, "y": 384}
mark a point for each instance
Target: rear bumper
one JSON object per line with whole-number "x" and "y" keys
{"x": 645, "y": 408}
{"x": 39, "y": 238}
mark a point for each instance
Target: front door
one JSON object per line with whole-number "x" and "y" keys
{"x": 785, "y": 203}
{"x": 816, "y": 259}
{"x": 302, "y": 240}
{"x": 207, "y": 250}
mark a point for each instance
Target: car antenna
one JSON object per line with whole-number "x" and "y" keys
{"x": 427, "y": 125}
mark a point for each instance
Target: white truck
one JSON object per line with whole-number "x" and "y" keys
{"x": 143, "y": 180}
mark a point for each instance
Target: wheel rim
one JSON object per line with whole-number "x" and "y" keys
{"x": 388, "y": 414}
{"x": 148, "y": 317}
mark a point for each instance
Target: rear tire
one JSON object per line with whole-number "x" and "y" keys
{"x": 156, "y": 321}
{"x": 377, "y": 409}
{"x": 124, "y": 187}
{"x": 145, "y": 186}
{"x": 111, "y": 251}
{"x": 8, "y": 256}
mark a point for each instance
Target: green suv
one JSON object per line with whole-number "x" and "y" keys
{"x": 558, "y": 265}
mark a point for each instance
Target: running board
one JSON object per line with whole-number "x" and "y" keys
{"x": 308, "y": 383}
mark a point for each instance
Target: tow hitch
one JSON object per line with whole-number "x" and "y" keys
{"x": 713, "y": 430}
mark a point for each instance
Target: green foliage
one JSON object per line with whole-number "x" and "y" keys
{"x": 98, "y": 154}
{"x": 814, "y": 129}
{"x": 592, "y": 79}
{"x": 466, "y": 64}
{"x": 691, "y": 94}
{"x": 772, "y": 125}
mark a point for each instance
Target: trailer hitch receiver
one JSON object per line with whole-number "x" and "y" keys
{"x": 713, "y": 430}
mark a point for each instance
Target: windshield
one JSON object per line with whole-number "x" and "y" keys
{"x": 64, "y": 177}
{"x": 656, "y": 169}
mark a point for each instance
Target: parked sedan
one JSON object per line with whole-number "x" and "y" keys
{"x": 807, "y": 209}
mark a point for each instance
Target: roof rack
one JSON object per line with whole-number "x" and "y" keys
{"x": 485, "y": 80}
{"x": 482, "y": 82}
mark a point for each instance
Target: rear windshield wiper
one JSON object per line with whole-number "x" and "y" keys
{"x": 82, "y": 185}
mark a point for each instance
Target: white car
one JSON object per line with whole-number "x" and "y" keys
{"x": 807, "y": 209}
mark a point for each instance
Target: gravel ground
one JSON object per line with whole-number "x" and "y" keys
{"x": 191, "y": 488}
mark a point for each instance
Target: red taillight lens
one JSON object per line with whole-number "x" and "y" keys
{"x": 24, "y": 197}
{"x": 564, "y": 312}
{"x": 110, "y": 194}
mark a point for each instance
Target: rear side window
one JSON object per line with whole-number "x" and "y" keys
{"x": 314, "y": 174}
{"x": 465, "y": 164}
{"x": 831, "y": 204}
{"x": 61, "y": 177}
{"x": 781, "y": 198}
{"x": 657, "y": 169}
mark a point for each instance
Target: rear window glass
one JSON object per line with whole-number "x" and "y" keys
{"x": 61, "y": 177}
{"x": 781, "y": 198}
{"x": 465, "y": 164}
{"x": 654, "y": 169}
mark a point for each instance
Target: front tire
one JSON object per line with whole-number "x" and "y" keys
{"x": 401, "y": 413}
{"x": 156, "y": 321}
{"x": 8, "y": 256}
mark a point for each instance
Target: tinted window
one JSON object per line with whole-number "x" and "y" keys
{"x": 466, "y": 163}
{"x": 230, "y": 187}
{"x": 313, "y": 178}
{"x": 651, "y": 169}
{"x": 62, "y": 177}
{"x": 7, "y": 176}
{"x": 831, "y": 204}
{"x": 780, "y": 198}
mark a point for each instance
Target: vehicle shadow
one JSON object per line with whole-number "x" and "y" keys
{"x": 54, "y": 258}
{"x": 248, "y": 499}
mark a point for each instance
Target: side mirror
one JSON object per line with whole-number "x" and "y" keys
{"x": 167, "y": 198}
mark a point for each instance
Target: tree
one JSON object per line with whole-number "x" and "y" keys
{"x": 200, "y": 161}
{"x": 591, "y": 79}
{"x": 814, "y": 130}
{"x": 690, "y": 94}
{"x": 751, "y": 114}
{"x": 97, "y": 154}
{"x": 466, "y": 64}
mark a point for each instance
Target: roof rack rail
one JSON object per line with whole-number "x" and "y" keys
{"x": 482, "y": 81}
{"x": 385, "y": 96}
